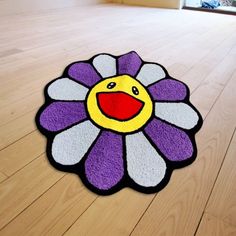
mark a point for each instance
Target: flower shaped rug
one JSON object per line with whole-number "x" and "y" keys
{"x": 118, "y": 121}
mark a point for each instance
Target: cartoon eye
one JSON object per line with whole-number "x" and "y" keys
{"x": 135, "y": 90}
{"x": 111, "y": 85}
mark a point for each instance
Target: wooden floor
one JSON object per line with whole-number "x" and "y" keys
{"x": 197, "y": 48}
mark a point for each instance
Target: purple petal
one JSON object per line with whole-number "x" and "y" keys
{"x": 84, "y": 73}
{"x": 172, "y": 142}
{"x": 168, "y": 90}
{"x": 104, "y": 166}
{"x": 59, "y": 115}
{"x": 129, "y": 64}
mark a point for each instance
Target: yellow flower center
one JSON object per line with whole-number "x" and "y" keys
{"x": 120, "y": 104}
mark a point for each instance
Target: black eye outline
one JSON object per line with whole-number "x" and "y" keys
{"x": 135, "y": 90}
{"x": 111, "y": 85}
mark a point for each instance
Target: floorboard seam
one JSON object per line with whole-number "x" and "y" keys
{"x": 38, "y": 156}
{"x": 32, "y": 202}
{"x": 80, "y": 215}
{"x": 217, "y": 174}
{"x": 213, "y": 186}
{"x": 143, "y": 214}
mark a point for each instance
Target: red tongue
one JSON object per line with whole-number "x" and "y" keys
{"x": 119, "y": 105}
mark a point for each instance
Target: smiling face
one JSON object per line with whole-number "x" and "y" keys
{"x": 119, "y": 103}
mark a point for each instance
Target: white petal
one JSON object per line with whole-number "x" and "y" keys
{"x": 105, "y": 65}
{"x": 67, "y": 89}
{"x": 70, "y": 146}
{"x": 150, "y": 73}
{"x": 179, "y": 114}
{"x": 145, "y": 166}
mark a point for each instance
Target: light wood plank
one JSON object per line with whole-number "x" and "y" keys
{"x": 212, "y": 226}
{"x": 14, "y": 7}
{"x": 56, "y": 57}
{"x": 22, "y": 152}
{"x": 217, "y": 80}
{"x": 223, "y": 206}
{"x": 200, "y": 54}
{"x": 21, "y": 189}
{"x": 207, "y": 66}
{"x": 36, "y": 137}
{"x": 181, "y": 189}
{"x": 17, "y": 129}
{"x": 33, "y": 211}
{"x": 26, "y": 104}
{"x": 112, "y": 215}
{"x": 54, "y": 212}
{"x": 2, "y": 177}
{"x": 210, "y": 88}
{"x": 190, "y": 188}
{"x": 21, "y": 107}
{"x": 9, "y": 52}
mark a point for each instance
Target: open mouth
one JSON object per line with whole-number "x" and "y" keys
{"x": 119, "y": 105}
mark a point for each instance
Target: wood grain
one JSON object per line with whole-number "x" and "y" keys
{"x": 27, "y": 104}
{"x": 190, "y": 188}
{"x": 31, "y": 102}
{"x": 24, "y": 125}
{"x": 2, "y": 176}
{"x": 36, "y": 199}
{"x": 113, "y": 215}
{"x": 10, "y": 52}
{"x": 21, "y": 189}
{"x": 33, "y": 210}
{"x": 212, "y": 226}
{"x": 223, "y": 206}
{"x": 22, "y": 152}
{"x": 180, "y": 186}
{"x": 55, "y": 211}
